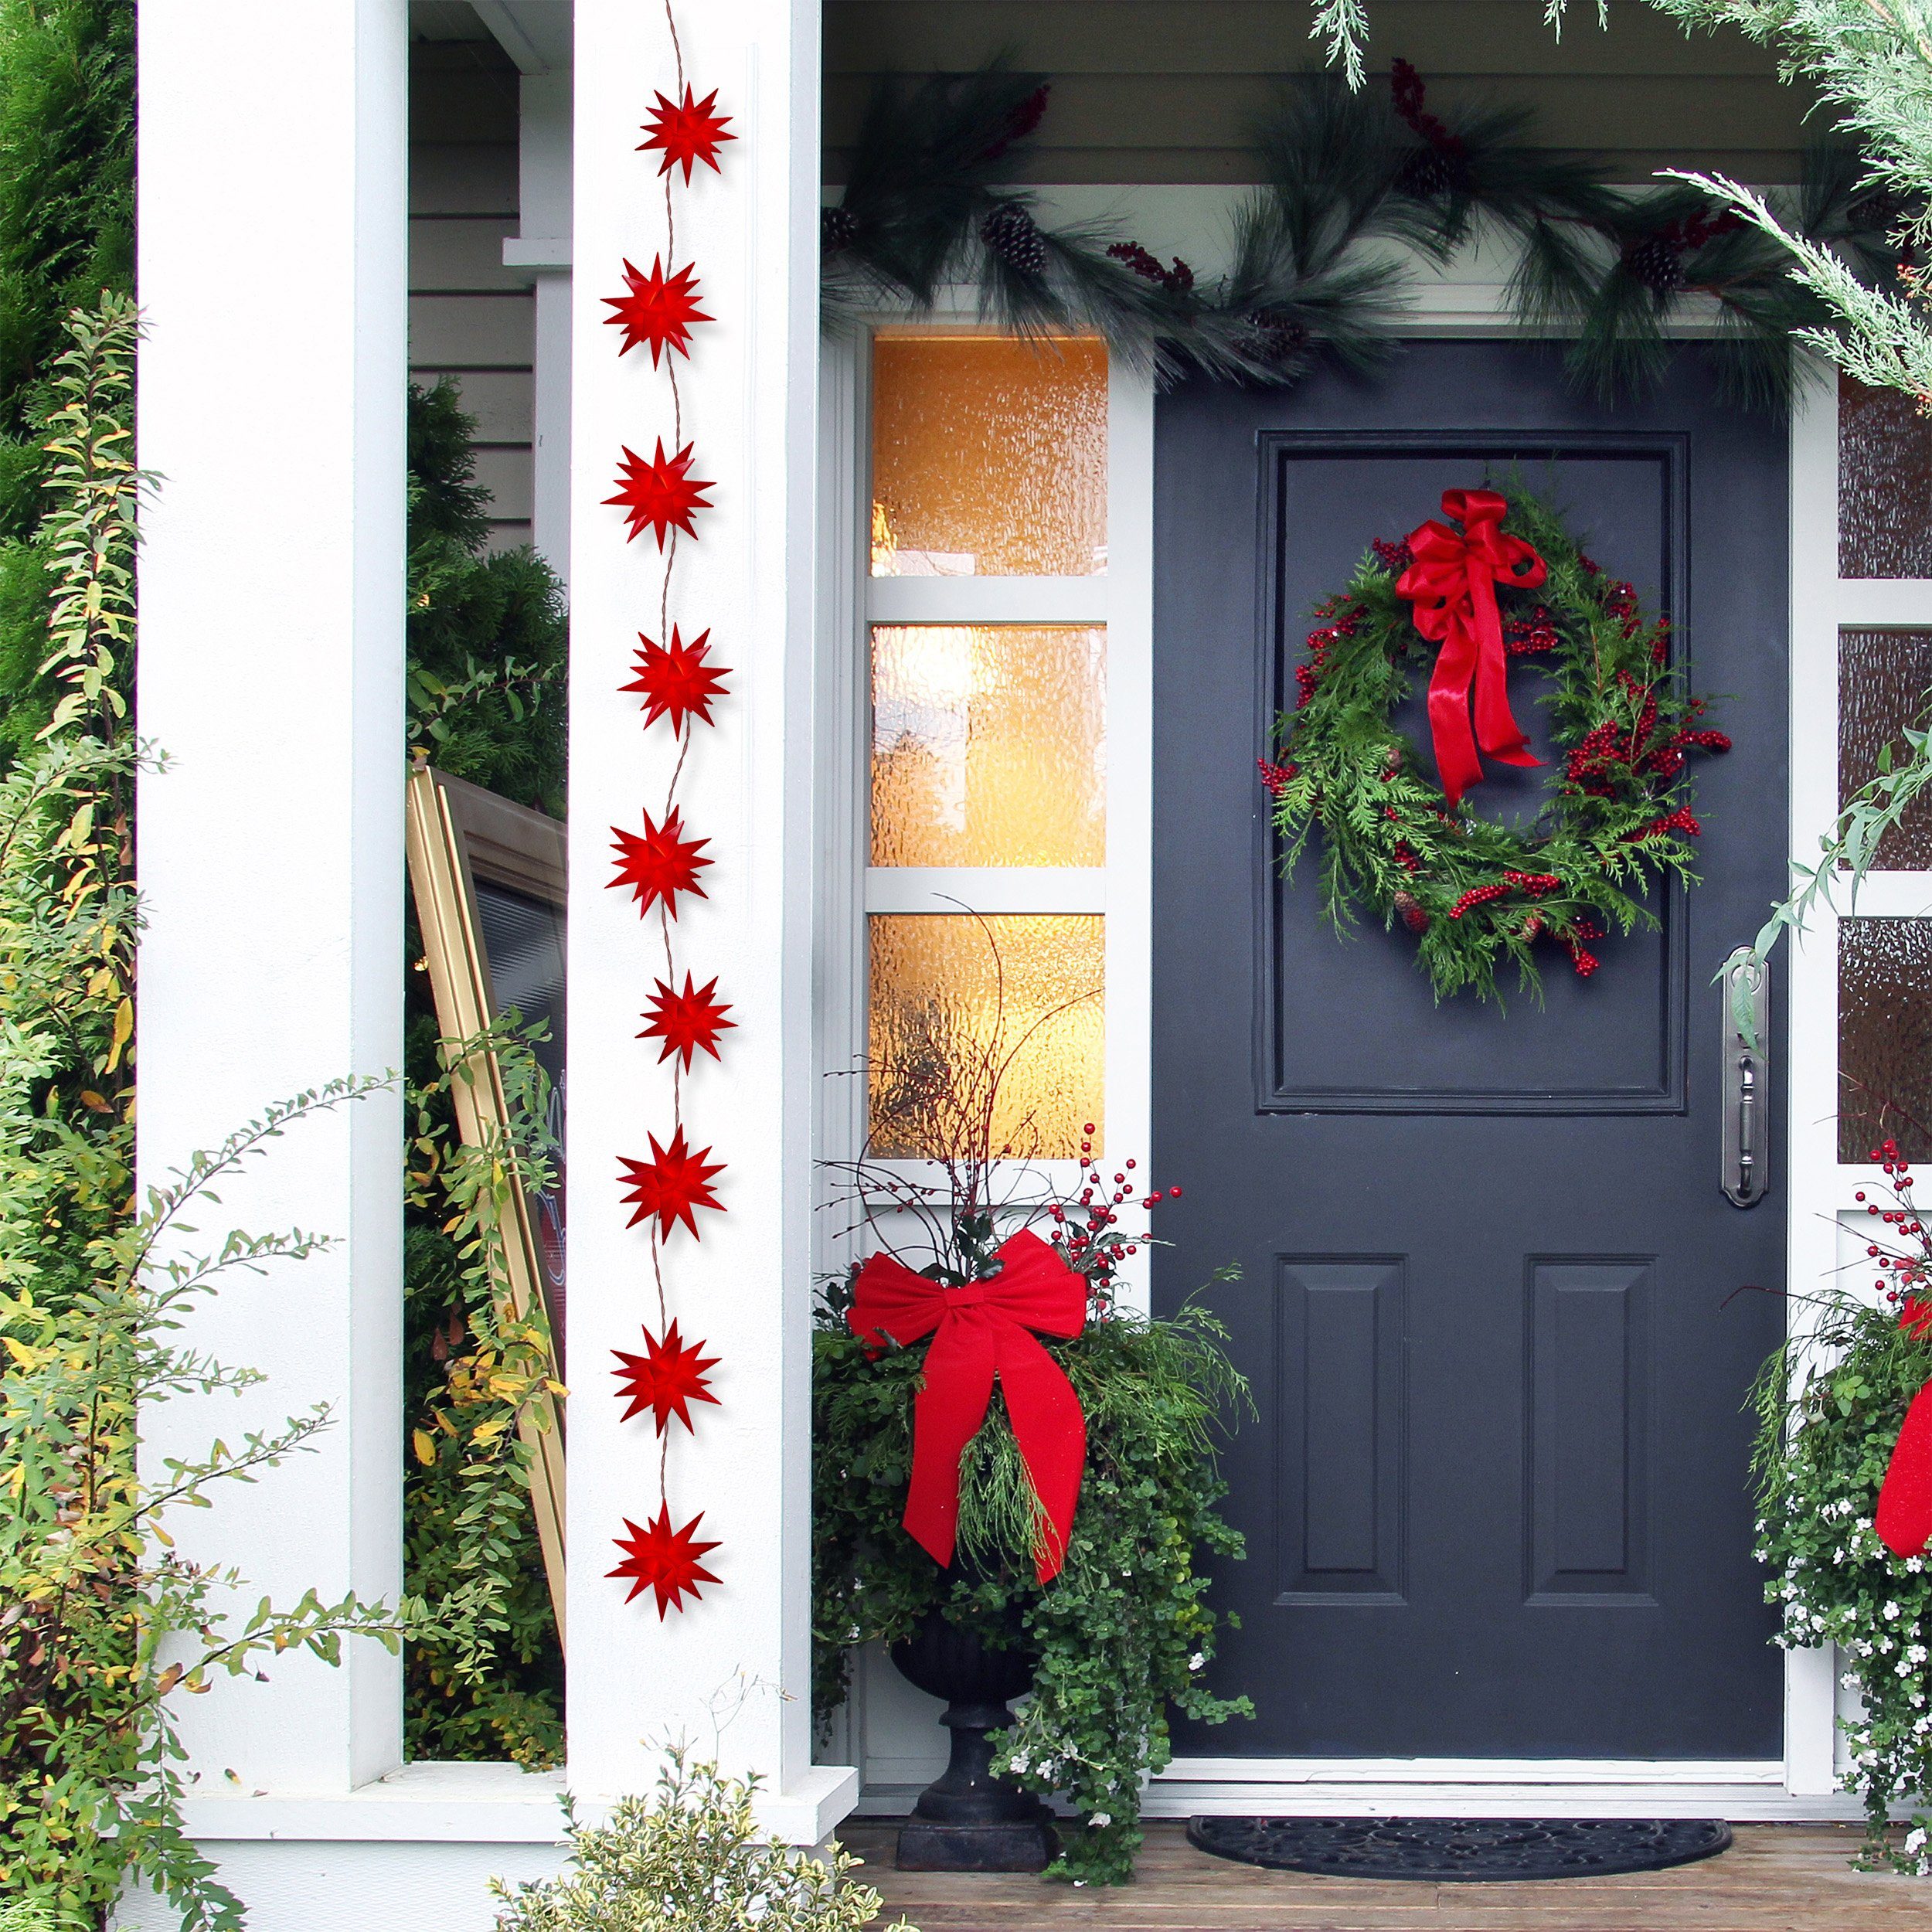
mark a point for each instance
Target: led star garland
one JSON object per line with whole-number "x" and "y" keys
{"x": 660, "y": 866}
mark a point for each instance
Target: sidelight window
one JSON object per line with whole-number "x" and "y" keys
{"x": 988, "y": 640}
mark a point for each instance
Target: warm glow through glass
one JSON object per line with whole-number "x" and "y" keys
{"x": 989, "y": 745}
{"x": 1001, "y": 1018}
{"x": 989, "y": 457}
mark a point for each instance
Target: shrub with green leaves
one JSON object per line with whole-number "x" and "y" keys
{"x": 689, "y": 1860}
{"x": 1123, "y": 1632}
{"x": 1829, "y": 1405}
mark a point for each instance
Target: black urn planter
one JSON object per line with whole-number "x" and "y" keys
{"x": 967, "y": 1820}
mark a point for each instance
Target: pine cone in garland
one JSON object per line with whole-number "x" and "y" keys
{"x": 1429, "y": 173}
{"x": 1274, "y": 337}
{"x": 838, "y": 229}
{"x": 1013, "y": 235}
{"x": 1658, "y": 263}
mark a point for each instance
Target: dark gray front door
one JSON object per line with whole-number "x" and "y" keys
{"x": 1496, "y": 1498}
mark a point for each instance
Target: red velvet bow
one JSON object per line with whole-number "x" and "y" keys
{"x": 1904, "y": 1519}
{"x": 1452, "y": 584}
{"x": 978, "y": 1332}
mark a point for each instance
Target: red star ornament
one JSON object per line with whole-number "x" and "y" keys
{"x": 674, "y": 1180}
{"x": 676, "y": 681}
{"x": 660, "y": 496}
{"x": 685, "y": 132}
{"x": 660, "y": 864}
{"x": 686, "y": 1020}
{"x": 665, "y": 1559}
{"x": 659, "y": 310}
{"x": 665, "y": 1378}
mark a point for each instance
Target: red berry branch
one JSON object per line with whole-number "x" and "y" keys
{"x": 678, "y": 684}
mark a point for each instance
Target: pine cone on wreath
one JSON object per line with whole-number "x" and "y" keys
{"x": 1658, "y": 263}
{"x": 1013, "y": 235}
{"x": 1414, "y": 916}
{"x": 838, "y": 229}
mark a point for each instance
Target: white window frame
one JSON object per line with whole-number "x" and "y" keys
{"x": 1119, "y": 600}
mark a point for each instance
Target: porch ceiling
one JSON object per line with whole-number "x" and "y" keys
{"x": 1161, "y": 90}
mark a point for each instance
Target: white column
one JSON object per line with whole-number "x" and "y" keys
{"x": 729, "y": 1671}
{"x": 273, "y": 160}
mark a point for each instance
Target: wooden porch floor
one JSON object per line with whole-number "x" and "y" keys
{"x": 1777, "y": 1878}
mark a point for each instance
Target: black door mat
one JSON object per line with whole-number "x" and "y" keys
{"x": 1461, "y": 1850}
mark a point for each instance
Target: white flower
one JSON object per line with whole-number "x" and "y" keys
{"x": 1101, "y": 1819}
{"x": 1891, "y": 1610}
{"x": 1848, "y": 1681}
{"x": 1019, "y": 1763}
{"x": 1198, "y": 1661}
{"x": 1915, "y": 1838}
{"x": 1915, "y": 1564}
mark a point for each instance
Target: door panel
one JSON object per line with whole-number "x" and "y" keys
{"x": 1496, "y": 1498}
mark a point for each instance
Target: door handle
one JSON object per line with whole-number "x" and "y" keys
{"x": 1745, "y": 983}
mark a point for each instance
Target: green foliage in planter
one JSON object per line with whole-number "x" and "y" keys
{"x": 487, "y": 647}
{"x": 689, "y": 1860}
{"x": 1123, "y": 1631}
{"x": 1824, "y": 1438}
{"x": 66, "y": 236}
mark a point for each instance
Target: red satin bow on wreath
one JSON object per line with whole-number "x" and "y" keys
{"x": 980, "y": 1332}
{"x": 1452, "y": 584}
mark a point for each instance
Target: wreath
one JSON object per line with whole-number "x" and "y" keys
{"x": 1497, "y": 579}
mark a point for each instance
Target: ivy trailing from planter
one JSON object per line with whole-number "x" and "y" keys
{"x": 1123, "y": 1630}
{"x": 931, "y": 204}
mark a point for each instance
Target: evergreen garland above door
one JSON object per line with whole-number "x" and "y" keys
{"x": 930, "y": 205}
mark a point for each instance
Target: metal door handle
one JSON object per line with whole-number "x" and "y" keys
{"x": 1745, "y": 984}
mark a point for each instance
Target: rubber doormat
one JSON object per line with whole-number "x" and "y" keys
{"x": 1461, "y": 1850}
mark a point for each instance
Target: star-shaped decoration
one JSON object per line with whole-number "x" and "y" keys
{"x": 660, "y": 864}
{"x": 659, "y": 310}
{"x": 686, "y": 132}
{"x": 660, "y": 496}
{"x": 673, "y": 1181}
{"x": 666, "y": 1377}
{"x": 686, "y": 1020}
{"x": 665, "y": 1559}
{"x": 676, "y": 681}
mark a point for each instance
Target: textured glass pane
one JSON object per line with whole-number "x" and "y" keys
{"x": 1883, "y": 677}
{"x": 969, "y": 1018}
{"x": 988, "y": 745}
{"x": 1884, "y": 1035}
{"x": 988, "y": 456}
{"x": 1884, "y": 484}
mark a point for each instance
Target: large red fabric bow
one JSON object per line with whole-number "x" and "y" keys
{"x": 978, "y": 1332}
{"x": 1452, "y": 584}
{"x": 1904, "y": 1519}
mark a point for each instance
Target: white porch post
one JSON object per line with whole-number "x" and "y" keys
{"x": 729, "y": 1671}
{"x": 273, "y": 159}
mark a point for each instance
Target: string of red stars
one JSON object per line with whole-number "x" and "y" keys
{"x": 678, "y": 684}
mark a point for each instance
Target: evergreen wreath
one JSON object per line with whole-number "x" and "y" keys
{"x": 931, "y": 204}
{"x": 1477, "y": 894}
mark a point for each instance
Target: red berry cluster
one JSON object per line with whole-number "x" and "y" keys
{"x": 1529, "y": 636}
{"x": 1683, "y": 819}
{"x": 1307, "y": 676}
{"x": 1178, "y": 279}
{"x": 1532, "y": 882}
{"x": 1410, "y": 96}
{"x": 1910, "y": 1271}
{"x": 1395, "y": 558}
{"x": 1276, "y": 777}
{"x": 1479, "y": 895}
{"x": 1087, "y": 1228}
